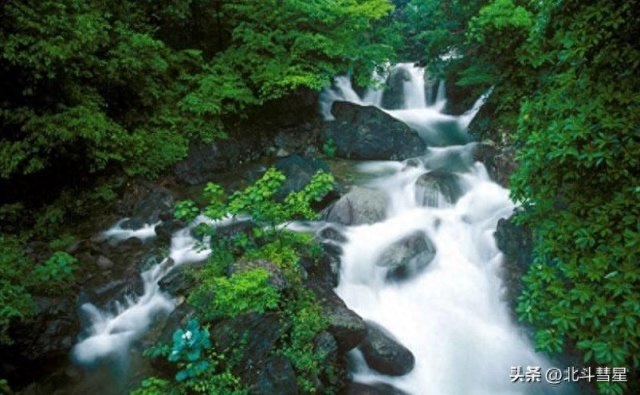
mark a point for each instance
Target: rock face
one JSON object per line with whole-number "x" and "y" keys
{"x": 256, "y": 334}
{"x": 299, "y": 171}
{"x": 430, "y": 186}
{"x": 407, "y": 256}
{"x": 384, "y": 354}
{"x": 344, "y": 325}
{"x": 205, "y": 159}
{"x": 277, "y": 377}
{"x": 500, "y": 163}
{"x": 516, "y": 243}
{"x": 393, "y": 96}
{"x": 369, "y": 133}
{"x": 359, "y": 206}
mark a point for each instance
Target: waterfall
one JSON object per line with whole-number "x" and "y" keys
{"x": 452, "y": 314}
{"x": 110, "y": 332}
{"x": 431, "y": 122}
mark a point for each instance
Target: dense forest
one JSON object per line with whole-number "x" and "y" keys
{"x": 96, "y": 96}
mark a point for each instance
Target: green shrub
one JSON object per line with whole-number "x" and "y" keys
{"x": 243, "y": 292}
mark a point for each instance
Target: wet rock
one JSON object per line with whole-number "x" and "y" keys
{"x": 276, "y": 278}
{"x": 114, "y": 290}
{"x": 277, "y": 377}
{"x": 369, "y": 133}
{"x": 132, "y": 223}
{"x": 166, "y": 228}
{"x": 516, "y": 243}
{"x": 371, "y": 389}
{"x": 104, "y": 263}
{"x": 430, "y": 186}
{"x": 206, "y": 159}
{"x": 332, "y": 234}
{"x": 51, "y": 332}
{"x": 323, "y": 272}
{"x": 384, "y": 354}
{"x": 359, "y": 206}
{"x": 407, "y": 256}
{"x": 254, "y": 335}
{"x": 152, "y": 206}
{"x": 500, "y": 163}
{"x": 344, "y": 325}
{"x": 393, "y": 96}
{"x": 299, "y": 171}
{"x": 179, "y": 279}
{"x": 325, "y": 344}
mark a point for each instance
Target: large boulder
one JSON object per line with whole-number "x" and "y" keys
{"x": 276, "y": 377}
{"x": 437, "y": 184}
{"x": 359, "y": 206}
{"x": 347, "y": 327}
{"x": 206, "y": 159}
{"x": 299, "y": 171}
{"x": 384, "y": 353}
{"x": 256, "y": 334}
{"x": 366, "y": 132}
{"x": 407, "y": 256}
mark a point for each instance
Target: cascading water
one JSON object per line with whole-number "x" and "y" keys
{"x": 451, "y": 314}
{"x": 110, "y": 332}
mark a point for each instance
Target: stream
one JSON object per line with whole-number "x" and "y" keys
{"x": 448, "y": 311}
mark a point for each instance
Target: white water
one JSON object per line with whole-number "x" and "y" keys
{"x": 111, "y": 332}
{"x": 451, "y": 315}
{"x": 429, "y": 119}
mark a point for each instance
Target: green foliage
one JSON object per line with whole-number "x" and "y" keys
{"x": 188, "y": 345}
{"x": 201, "y": 369}
{"x": 307, "y": 320}
{"x": 242, "y": 292}
{"x": 219, "y": 295}
{"x": 329, "y": 148}
{"x": 58, "y": 269}
{"x": 566, "y": 87}
{"x": 186, "y": 210}
{"x": 15, "y": 300}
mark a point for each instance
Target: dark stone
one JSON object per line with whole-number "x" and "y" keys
{"x": 276, "y": 377}
{"x": 179, "y": 279}
{"x": 104, "y": 263}
{"x": 384, "y": 354}
{"x": 332, "y": 234}
{"x": 178, "y": 318}
{"x": 206, "y": 159}
{"x": 132, "y": 223}
{"x": 113, "y": 290}
{"x": 371, "y": 389}
{"x": 431, "y": 185}
{"x": 299, "y": 170}
{"x": 254, "y": 335}
{"x": 393, "y": 96}
{"x": 369, "y": 133}
{"x": 323, "y": 272}
{"x": 359, "y": 206}
{"x": 516, "y": 243}
{"x": 407, "y": 256}
{"x": 500, "y": 163}
{"x": 166, "y": 228}
{"x": 344, "y": 325}
{"x": 276, "y": 278}
{"x": 51, "y": 332}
